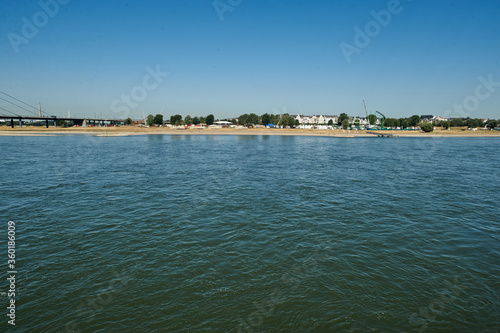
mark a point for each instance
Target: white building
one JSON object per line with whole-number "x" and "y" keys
{"x": 316, "y": 119}
{"x": 438, "y": 118}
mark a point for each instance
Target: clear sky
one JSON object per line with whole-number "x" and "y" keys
{"x": 230, "y": 57}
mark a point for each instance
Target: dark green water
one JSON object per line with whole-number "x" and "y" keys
{"x": 252, "y": 234}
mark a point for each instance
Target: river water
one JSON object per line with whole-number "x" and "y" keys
{"x": 252, "y": 233}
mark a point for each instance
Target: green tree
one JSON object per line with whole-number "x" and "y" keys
{"x": 456, "y": 122}
{"x": 445, "y": 124}
{"x": 128, "y": 121}
{"x": 176, "y": 120}
{"x": 345, "y": 124}
{"x": 472, "y": 123}
{"x": 243, "y": 119}
{"x": 158, "y": 120}
{"x": 372, "y": 119}
{"x": 196, "y": 121}
{"x": 281, "y": 120}
{"x": 60, "y": 123}
{"x": 286, "y": 120}
{"x": 150, "y": 120}
{"x": 210, "y": 119}
{"x": 403, "y": 123}
{"x": 426, "y": 127}
{"x": 414, "y": 120}
{"x": 266, "y": 119}
{"x": 203, "y": 120}
{"x": 275, "y": 118}
{"x": 253, "y": 119}
{"x": 477, "y": 122}
{"x": 188, "y": 120}
{"x": 392, "y": 122}
{"x": 342, "y": 117}
{"x": 492, "y": 123}
{"x": 330, "y": 122}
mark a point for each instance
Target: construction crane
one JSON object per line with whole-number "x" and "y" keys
{"x": 144, "y": 118}
{"x": 382, "y": 120}
{"x": 367, "y": 117}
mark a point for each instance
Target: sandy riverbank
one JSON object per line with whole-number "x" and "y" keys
{"x": 133, "y": 130}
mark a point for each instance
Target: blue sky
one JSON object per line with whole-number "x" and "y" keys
{"x": 257, "y": 56}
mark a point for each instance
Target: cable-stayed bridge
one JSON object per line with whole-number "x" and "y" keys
{"x": 21, "y": 111}
{"x": 53, "y": 120}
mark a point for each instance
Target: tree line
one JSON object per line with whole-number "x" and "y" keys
{"x": 286, "y": 120}
{"x": 176, "y": 120}
{"x": 415, "y": 121}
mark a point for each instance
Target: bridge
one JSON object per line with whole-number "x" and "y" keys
{"x": 39, "y": 115}
{"x": 53, "y": 119}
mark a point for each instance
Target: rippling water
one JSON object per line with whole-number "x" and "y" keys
{"x": 253, "y": 233}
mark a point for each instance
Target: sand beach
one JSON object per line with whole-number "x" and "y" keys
{"x": 135, "y": 130}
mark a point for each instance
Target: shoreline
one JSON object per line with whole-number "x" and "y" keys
{"x": 132, "y": 131}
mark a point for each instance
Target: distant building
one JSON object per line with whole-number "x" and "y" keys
{"x": 315, "y": 119}
{"x": 440, "y": 119}
{"x": 362, "y": 120}
{"x": 327, "y": 118}
{"x": 427, "y": 118}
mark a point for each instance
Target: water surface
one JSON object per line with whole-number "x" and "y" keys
{"x": 253, "y": 233}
